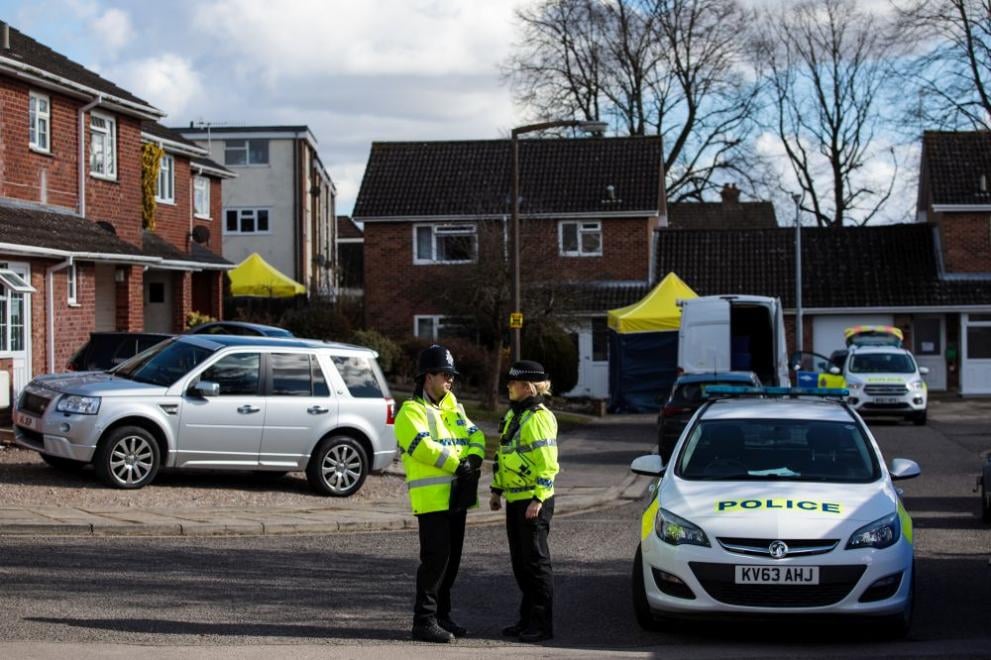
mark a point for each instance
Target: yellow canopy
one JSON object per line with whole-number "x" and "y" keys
{"x": 256, "y": 277}
{"x": 656, "y": 312}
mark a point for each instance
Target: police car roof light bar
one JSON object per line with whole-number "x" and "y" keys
{"x": 793, "y": 392}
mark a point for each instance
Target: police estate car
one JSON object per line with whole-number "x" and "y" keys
{"x": 775, "y": 506}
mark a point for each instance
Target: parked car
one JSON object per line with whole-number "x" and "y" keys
{"x": 218, "y": 402}
{"x": 239, "y": 328}
{"x": 108, "y": 349}
{"x": 886, "y": 381}
{"x": 774, "y": 508}
{"x": 685, "y": 398}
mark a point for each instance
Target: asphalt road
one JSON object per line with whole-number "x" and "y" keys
{"x": 351, "y": 594}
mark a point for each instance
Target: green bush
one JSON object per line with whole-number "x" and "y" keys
{"x": 548, "y": 343}
{"x": 317, "y": 321}
{"x": 388, "y": 350}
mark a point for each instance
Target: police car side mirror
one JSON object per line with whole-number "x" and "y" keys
{"x": 651, "y": 465}
{"x": 903, "y": 468}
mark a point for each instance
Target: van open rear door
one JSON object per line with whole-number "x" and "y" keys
{"x": 704, "y": 336}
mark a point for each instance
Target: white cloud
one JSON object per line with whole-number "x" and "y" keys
{"x": 113, "y": 28}
{"x": 167, "y": 81}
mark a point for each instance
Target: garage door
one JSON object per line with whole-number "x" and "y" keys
{"x": 827, "y": 331}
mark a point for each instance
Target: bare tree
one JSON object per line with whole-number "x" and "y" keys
{"x": 668, "y": 67}
{"x": 827, "y": 67}
{"x": 951, "y": 72}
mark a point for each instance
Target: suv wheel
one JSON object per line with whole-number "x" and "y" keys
{"x": 919, "y": 419}
{"x": 127, "y": 457}
{"x": 64, "y": 464}
{"x": 338, "y": 466}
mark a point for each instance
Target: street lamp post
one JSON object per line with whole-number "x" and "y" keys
{"x": 799, "y": 333}
{"x": 599, "y": 127}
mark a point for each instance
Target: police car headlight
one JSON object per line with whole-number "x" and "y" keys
{"x": 878, "y": 534}
{"x": 82, "y": 405}
{"x": 675, "y": 530}
{"x": 918, "y": 385}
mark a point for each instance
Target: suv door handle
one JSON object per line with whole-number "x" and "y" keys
{"x": 248, "y": 409}
{"x": 317, "y": 410}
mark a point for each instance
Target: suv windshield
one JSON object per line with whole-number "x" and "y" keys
{"x": 164, "y": 363}
{"x": 882, "y": 363}
{"x": 771, "y": 449}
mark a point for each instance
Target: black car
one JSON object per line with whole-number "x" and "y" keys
{"x": 239, "y": 328}
{"x": 108, "y": 349}
{"x": 685, "y": 399}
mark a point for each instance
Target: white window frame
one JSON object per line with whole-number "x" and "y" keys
{"x": 108, "y": 137}
{"x": 437, "y": 322}
{"x": 201, "y": 187}
{"x": 165, "y": 186}
{"x": 247, "y": 152}
{"x": 444, "y": 230}
{"x": 71, "y": 285}
{"x": 37, "y": 119}
{"x": 14, "y": 282}
{"x": 583, "y": 227}
{"x": 244, "y": 212}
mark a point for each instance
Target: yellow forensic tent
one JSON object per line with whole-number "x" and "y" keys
{"x": 256, "y": 277}
{"x": 656, "y": 312}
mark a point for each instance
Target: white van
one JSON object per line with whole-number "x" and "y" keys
{"x": 734, "y": 333}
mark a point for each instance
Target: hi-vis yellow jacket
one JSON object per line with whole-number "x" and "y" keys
{"x": 526, "y": 462}
{"x": 433, "y": 439}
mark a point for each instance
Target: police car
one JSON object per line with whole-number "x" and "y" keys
{"x": 775, "y": 506}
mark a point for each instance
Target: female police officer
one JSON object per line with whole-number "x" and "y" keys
{"x": 438, "y": 443}
{"x": 525, "y": 467}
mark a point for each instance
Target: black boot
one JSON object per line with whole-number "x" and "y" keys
{"x": 431, "y": 632}
{"x": 451, "y": 626}
{"x": 514, "y": 630}
{"x": 533, "y": 634}
{"x": 539, "y": 627}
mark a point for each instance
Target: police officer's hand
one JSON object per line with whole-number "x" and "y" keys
{"x": 464, "y": 470}
{"x": 533, "y": 509}
{"x": 475, "y": 461}
{"x": 495, "y": 501}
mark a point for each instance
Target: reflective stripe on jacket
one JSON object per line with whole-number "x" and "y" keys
{"x": 526, "y": 464}
{"x": 433, "y": 438}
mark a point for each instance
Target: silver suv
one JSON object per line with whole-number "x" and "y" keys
{"x": 218, "y": 402}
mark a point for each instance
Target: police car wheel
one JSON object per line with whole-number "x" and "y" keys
{"x": 338, "y": 466}
{"x": 647, "y": 619}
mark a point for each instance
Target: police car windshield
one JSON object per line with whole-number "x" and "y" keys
{"x": 882, "y": 363}
{"x": 777, "y": 450}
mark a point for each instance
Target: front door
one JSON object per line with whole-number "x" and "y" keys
{"x": 975, "y": 362}
{"x": 927, "y": 345}
{"x": 592, "y": 341}
{"x": 15, "y": 323}
{"x": 224, "y": 430}
{"x": 158, "y": 301}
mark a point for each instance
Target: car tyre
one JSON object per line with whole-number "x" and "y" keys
{"x": 647, "y": 619}
{"x": 919, "y": 419}
{"x": 986, "y": 496}
{"x": 128, "y": 457}
{"x": 338, "y": 466}
{"x": 63, "y": 464}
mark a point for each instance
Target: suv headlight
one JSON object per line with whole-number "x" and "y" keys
{"x": 917, "y": 385}
{"x": 82, "y": 405}
{"x": 881, "y": 533}
{"x": 854, "y": 386}
{"x": 675, "y": 530}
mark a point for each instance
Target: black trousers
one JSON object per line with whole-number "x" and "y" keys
{"x": 531, "y": 559}
{"x": 442, "y": 536}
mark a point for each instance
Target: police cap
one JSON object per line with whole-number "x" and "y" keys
{"x": 435, "y": 359}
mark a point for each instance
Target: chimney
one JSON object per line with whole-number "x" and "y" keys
{"x": 730, "y": 194}
{"x": 5, "y": 36}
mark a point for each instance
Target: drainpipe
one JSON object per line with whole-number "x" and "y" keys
{"x": 82, "y": 152}
{"x": 50, "y": 312}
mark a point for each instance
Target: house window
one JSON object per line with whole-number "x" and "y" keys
{"x": 13, "y": 286}
{"x": 246, "y": 221}
{"x": 979, "y": 337}
{"x": 444, "y": 244}
{"x": 246, "y": 152}
{"x": 201, "y": 196}
{"x": 102, "y": 146}
{"x": 71, "y": 284}
{"x": 435, "y": 327}
{"x": 39, "y": 111}
{"x": 580, "y": 239}
{"x": 165, "y": 191}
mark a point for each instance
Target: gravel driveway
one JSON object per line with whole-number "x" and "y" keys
{"x": 25, "y": 480}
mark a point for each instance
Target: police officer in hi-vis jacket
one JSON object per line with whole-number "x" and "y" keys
{"x": 526, "y": 464}
{"x": 438, "y": 444}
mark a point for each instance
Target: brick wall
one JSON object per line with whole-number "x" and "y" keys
{"x": 119, "y": 201}
{"x": 130, "y": 300}
{"x": 182, "y": 296}
{"x": 966, "y": 240}
{"x": 172, "y": 219}
{"x": 396, "y": 289}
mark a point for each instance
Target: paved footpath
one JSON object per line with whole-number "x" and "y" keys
{"x": 595, "y": 473}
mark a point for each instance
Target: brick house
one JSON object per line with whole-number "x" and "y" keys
{"x": 432, "y": 211}
{"x": 283, "y": 203}
{"x": 72, "y": 259}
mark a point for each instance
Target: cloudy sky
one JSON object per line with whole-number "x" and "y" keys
{"x": 353, "y": 71}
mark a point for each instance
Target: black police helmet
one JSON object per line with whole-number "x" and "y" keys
{"x": 435, "y": 359}
{"x": 527, "y": 370}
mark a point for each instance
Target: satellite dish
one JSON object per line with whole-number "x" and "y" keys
{"x": 106, "y": 226}
{"x": 201, "y": 234}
